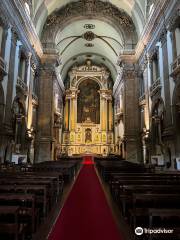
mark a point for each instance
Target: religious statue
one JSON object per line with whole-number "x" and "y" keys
{"x": 88, "y": 135}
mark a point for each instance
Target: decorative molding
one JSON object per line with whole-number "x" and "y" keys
{"x": 86, "y": 8}
{"x": 3, "y": 66}
{"x": 91, "y": 8}
{"x": 89, "y": 36}
{"x": 142, "y": 100}
{"x": 173, "y": 21}
{"x": 175, "y": 67}
{"x": 89, "y": 70}
{"x": 16, "y": 17}
{"x": 156, "y": 87}
{"x": 163, "y": 36}
{"x": 89, "y": 26}
{"x": 89, "y": 45}
{"x": 154, "y": 25}
{"x": 21, "y": 85}
{"x": 129, "y": 71}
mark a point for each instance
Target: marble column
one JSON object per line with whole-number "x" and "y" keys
{"x": 4, "y": 40}
{"x": 11, "y": 80}
{"x": 173, "y": 45}
{"x": 177, "y": 36}
{"x": 166, "y": 83}
{"x": 29, "y": 81}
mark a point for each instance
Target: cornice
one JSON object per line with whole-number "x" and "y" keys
{"x": 16, "y": 16}
{"x": 154, "y": 27}
{"x": 88, "y": 8}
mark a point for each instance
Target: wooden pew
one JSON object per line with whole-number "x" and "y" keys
{"x": 9, "y": 222}
{"x": 26, "y": 203}
{"x": 43, "y": 181}
{"x": 117, "y": 181}
{"x": 67, "y": 169}
{"x": 40, "y": 191}
{"x": 144, "y": 201}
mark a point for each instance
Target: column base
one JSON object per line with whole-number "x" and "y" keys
{"x": 45, "y": 150}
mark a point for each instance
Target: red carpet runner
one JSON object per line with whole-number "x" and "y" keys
{"x": 86, "y": 214}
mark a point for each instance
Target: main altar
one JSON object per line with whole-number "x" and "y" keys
{"x": 88, "y": 111}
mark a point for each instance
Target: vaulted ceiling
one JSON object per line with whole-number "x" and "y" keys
{"x": 135, "y": 9}
{"x": 80, "y": 34}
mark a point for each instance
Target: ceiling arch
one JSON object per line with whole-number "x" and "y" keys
{"x": 101, "y": 36}
{"x": 116, "y": 25}
{"x": 134, "y": 8}
{"x": 82, "y": 57}
{"x": 73, "y": 43}
{"x": 83, "y": 26}
{"x": 90, "y": 9}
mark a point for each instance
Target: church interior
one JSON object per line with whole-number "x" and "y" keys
{"x": 89, "y": 112}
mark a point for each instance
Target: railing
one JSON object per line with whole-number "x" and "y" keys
{"x": 34, "y": 98}
{"x": 155, "y": 86}
{"x": 175, "y": 66}
{"x": 21, "y": 84}
{"x": 142, "y": 99}
{"x": 2, "y": 65}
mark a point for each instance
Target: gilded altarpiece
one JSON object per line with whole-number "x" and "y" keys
{"x": 88, "y": 121}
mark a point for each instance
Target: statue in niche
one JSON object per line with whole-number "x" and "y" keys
{"x": 18, "y": 123}
{"x": 158, "y": 123}
{"x": 88, "y": 65}
{"x": 88, "y": 102}
{"x": 88, "y": 135}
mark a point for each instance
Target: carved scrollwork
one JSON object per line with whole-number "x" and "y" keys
{"x": 90, "y": 8}
{"x": 173, "y": 22}
{"x": 89, "y": 36}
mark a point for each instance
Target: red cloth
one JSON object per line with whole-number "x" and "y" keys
{"x": 86, "y": 214}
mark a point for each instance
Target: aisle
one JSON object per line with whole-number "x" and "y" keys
{"x": 86, "y": 214}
